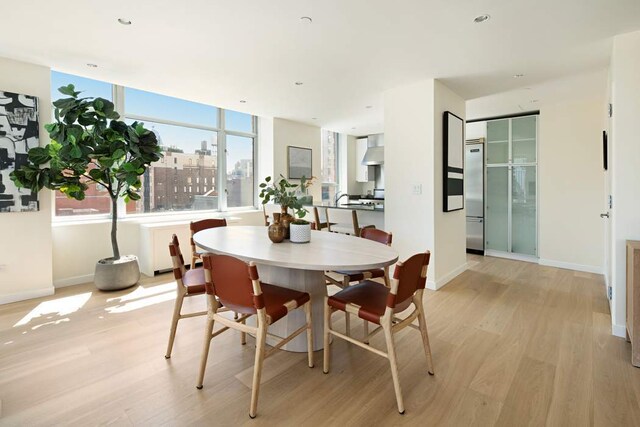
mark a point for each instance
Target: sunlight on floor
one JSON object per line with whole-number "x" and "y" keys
{"x": 143, "y": 297}
{"x": 59, "y": 306}
{"x": 142, "y": 292}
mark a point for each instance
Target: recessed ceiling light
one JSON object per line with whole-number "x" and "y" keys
{"x": 517, "y": 76}
{"x": 533, "y": 101}
{"x": 90, "y": 65}
{"x": 481, "y": 18}
{"x": 353, "y": 128}
{"x": 369, "y": 106}
{"x": 124, "y": 21}
{"x": 243, "y": 101}
{"x": 314, "y": 118}
{"x": 306, "y": 19}
{"x": 299, "y": 83}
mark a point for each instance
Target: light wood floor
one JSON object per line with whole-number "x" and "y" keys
{"x": 513, "y": 344}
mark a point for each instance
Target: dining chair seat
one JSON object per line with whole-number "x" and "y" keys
{"x": 278, "y": 301}
{"x": 194, "y": 281}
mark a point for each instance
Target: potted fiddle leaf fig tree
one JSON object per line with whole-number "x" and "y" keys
{"x": 91, "y": 145}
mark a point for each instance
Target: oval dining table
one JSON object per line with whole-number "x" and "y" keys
{"x": 299, "y": 266}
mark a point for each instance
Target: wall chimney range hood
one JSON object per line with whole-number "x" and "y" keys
{"x": 375, "y": 151}
{"x": 374, "y": 156}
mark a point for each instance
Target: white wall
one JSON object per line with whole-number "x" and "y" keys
{"x": 286, "y": 133}
{"x": 25, "y": 246}
{"x": 450, "y": 227}
{"x": 571, "y": 183}
{"x": 625, "y": 164}
{"x": 413, "y": 157}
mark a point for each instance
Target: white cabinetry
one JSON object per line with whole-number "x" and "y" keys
{"x": 363, "y": 173}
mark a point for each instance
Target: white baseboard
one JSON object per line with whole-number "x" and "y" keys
{"x": 619, "y": 330}
{"x": 72, "y": 281}
{"x": 21, "y": 296}
{"x": 439, "y": 284}
{"x": 571, "y": 266}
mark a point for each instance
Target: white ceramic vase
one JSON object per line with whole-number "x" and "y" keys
{"x": 299, "y": 233}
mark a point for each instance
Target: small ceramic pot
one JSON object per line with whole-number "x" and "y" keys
{"x": 300, "y": 233}
{"x": 277, "y": 232}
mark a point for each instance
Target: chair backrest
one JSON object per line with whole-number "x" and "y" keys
{"x": 177, "y": 259}
{"x": 205, "y": 224}
{"x": 376, "y": 235}
{"x": 233, "y": 281}
{"x": 345, "y": 217}
{"x": 409, "y": 276}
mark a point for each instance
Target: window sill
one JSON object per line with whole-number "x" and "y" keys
{"x": 157, "y": 218}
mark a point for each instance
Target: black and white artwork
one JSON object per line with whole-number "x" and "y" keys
{"x": 453, "y": 165}
{"x": 299, "y": 162}
{"x": 19, "y": 132}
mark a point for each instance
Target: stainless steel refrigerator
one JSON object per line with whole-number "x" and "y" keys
{"x": 474, "y": 196}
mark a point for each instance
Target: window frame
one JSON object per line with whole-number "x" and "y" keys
{"x": 338, "y": 141}
{"x": 119, "y": 101}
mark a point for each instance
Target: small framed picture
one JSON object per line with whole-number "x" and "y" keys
{"x": 299, "y": 162}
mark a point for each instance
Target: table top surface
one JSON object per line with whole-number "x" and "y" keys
{"x": 326, "y": 251}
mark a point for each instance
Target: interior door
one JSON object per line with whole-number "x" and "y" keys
{"x": 607, "y": 211}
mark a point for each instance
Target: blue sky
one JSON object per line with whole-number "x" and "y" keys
{"x": 149, "y": 104}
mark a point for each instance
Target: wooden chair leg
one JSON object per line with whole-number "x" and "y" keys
{"x": 208, "y": 331}
{"x": 243, "y": 335}
{"x": 422, "y": 323}
{"x": 193, "y": 262}
{"x": 391, "y": 350}
{"x": 366, "y": 332}
{"x": 327, "y": 326}
{"x": 347, "y": 323}
{"x": 307, "y": 312}
{"x": 177, "y": 308}
{"x": 257, "y": 368}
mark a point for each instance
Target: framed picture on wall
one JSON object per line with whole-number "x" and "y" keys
{"x": 19, "y": 132}
{"x": 453, "y": 162}
{"x": 299, "y": 162}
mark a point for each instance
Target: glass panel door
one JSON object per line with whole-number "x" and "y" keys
{"x": 498, "y": 142}
{"x": 523, "y": 210}
{"x": 497, "y": 209}
{"x": 523, "y": 138}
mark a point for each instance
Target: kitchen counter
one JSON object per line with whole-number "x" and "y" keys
{"x": 355, "y": 206}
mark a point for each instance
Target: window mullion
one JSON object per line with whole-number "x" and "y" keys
{"x": 222, "y": 162}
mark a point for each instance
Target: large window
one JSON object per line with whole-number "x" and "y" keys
{"x": 208, "y": 161}
{"x": 329, "y": 160}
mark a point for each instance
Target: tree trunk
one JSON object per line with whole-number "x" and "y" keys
{"x": 114, "y": 228}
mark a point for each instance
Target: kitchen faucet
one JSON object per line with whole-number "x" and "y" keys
{"x": 339, "y": 196}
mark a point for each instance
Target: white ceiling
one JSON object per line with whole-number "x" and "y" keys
{"x": 220, "y": 52}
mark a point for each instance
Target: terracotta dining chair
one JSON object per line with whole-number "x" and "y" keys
{"x": 203, "y": 224}
{"x": 234, "y": 284}
{"x": 378, "y": 304}
{"x": 345, "y": 278}
{"x": 189, "y": 283}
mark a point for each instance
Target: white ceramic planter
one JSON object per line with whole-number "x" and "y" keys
{"x": 299, "y": 233}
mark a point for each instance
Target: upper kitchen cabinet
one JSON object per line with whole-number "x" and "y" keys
{"x": 498, "y": 141}
{"x": 363, "y": 173}
{"x": 523, "y": 139}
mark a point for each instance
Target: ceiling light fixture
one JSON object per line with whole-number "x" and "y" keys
{"x": 533, "y": 101}
{"x": 299, "y": 83}
{"x": 243, "y": 101}
{"x": 517, "y": 76}
{"x": 306, "y": 19}
{"x": 353, "y": 128}
{"x": 124, "y": 21}
{"x": 90, "y": 65}
{"x": 481, "y": 18}
{"x": 369, "y": 106}
{"x": 314, "y": 118}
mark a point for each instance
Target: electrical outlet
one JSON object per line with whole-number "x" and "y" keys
{"x": 417, "y": 189}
